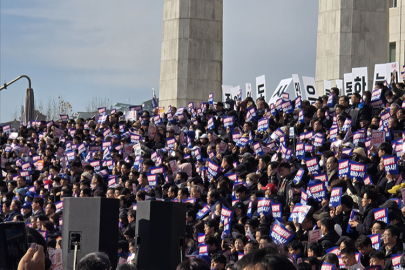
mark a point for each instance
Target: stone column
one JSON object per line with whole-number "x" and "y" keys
{"x": 351, "y": 33}
{"x": 191, "y": 60}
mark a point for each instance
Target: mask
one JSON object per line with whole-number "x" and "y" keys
{"x": 368, "y": 134}
{"x": 177, "y": 182}
{"x": 295, "y": 117}
{"x": 189, "y": 189}
{"x": 321, "y": 163}
{"x": 389, "y": 100}
{"x": 235, "y": 234}
{"x": 219, "y": 132}
{"x": 248, "y": 183}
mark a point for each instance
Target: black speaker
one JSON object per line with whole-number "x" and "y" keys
{"x": 160, "y": 231}
{"x": 93, "y": 224}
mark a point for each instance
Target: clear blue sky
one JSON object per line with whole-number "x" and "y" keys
{"x": 111, "y": 49}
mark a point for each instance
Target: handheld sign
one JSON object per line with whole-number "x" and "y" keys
{"x": 263, "y": 206}
{"x": 318, "y": 191}
{"x": 396, "y": 261}
{"x": 276, "y": 211}
{"x": 204, "y": 211}
{"x": 335, "y": 197}
{"x": 328, "y": 266}
{"x": 263, "y": 124}
{"x": 280, "y": 234}
{"x": 300, "y": 151}
{"x": 357, "y": 170}
{"x": 299, "y": 212}
{"x": 203, "y": 250}
{"x": 375, "y": 240}
{"x": 354, "y": 215}
{"x": 390, "y": 164}
{"x": 313, "y": 165}
{"x": 343, "y": 168}
{"x": 213, "y": 169}
{"x": 304, "y": 197}
{"x": 381, "y": 214}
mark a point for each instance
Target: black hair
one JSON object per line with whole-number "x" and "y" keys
{"x": 295, "y": 245}
{"x": 268, "y": 261}
{"x": 219, "y": 258}
{"x": 348, "y": 251}
{"x": 95, "y": 260}
{"x": 394, "y": 230}
{"x": 328, "y": 223}
{"x": 316, "y": 248}
{"x": 194, "y": 264}
{"x": 363, "y": 241}
{"x": 377, "y": 254}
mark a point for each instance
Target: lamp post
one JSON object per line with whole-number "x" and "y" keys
{"x": 29, "y": 98}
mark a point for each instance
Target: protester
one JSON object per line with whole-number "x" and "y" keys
{"x": 313, "y": 178}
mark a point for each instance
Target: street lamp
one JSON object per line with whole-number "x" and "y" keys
{"x": 29, "y": 98}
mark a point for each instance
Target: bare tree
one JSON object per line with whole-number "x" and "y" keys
{"x": 97, "y": 102}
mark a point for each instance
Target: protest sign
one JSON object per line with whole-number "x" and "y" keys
{"x": 280, "y": 234}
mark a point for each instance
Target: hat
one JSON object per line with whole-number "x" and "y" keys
{"x": 252, "y": 222}
{"x": 87, "y": 176}
{"x": 321, "y": 215}
{"x": 30, "y": 194}
{"x": 22, "y": 191}
{"x": 396, "y": 188}
{"x": 272, "y": 187}
{"x": 390, "y": 204}
{"x": 348, "y": 145}
{"x": 26, "y": 205}
{"x": 239, "y": 205}
{"x": 359, "y": 151}
{"x": 204, "y": 136}
{"x": 245, "y": 155}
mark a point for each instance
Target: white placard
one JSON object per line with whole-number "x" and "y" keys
{"x": 261, "y": 87}
{"x": 226, "y": 91}
{"x": 309, "y": 89}
{"x": 359, "y": 80}
{"x": 297, "y": 85}
{"x": 283, "y": 87}
{"x": 348, "y": 84}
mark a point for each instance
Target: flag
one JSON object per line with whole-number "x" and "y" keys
{"x": 154, "y": 100}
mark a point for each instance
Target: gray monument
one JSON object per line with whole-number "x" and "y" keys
{"x": 191, "y": 60}
{"x": 351, "y": 33}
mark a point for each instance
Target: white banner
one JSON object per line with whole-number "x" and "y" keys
{"x": 382, "y": 72}
{"x": 359, "y": 80}
{"x": 348, "y": 84}
{"x": 235, "y": 93}
{"x": 327, "y": 85}
{"x": 248, "y": 90}
{"x": 283, "y": 87}
{"x": 309, "y": 89}
{"x": 297, "y": 85}
{"x": 261, "y": 87}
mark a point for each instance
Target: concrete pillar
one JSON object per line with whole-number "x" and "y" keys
{"x": 351, "y": 33}
{"x": 191, "y": 60}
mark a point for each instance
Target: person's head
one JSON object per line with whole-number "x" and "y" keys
{"x": 315, "y": 249}
{"x": 131, "y": 215}
{"x": 263, "y": 260}
{"x": 368, "y": 197}
{"x": 95, "y": 260}
{"x": 345, "y": 242}
{"x": 250, "y": 247}
{"x": 331, "y": 164}
{"x": 348, "y": 256}
{"x": 210, "y": 227}
{"x": 327, "y": 225}
{"x": 391, "y": 235}
{"x": 344, "y": 101}
{"x": 241, "y": 192}
{"x": 384, "y": 149}
{"x": 295, "y": 247}
{"x": 377, "y": 257}
{"x": 308, "y": 223}
{"x": 265, "y": 241}
{"x": 378, "y": 227}
{"x": 363, "y": 245}
{"x": 218, "y": 262}
{"x": 331, "y": 258}
{"x": 284, "y": 169}
{"x": 194, "y": 264}
{"x": 37, "y": 204}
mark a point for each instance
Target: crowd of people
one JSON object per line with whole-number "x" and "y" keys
{"x": 299, "y": 184}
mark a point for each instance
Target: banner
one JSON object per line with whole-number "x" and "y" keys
{"x": 327, "y": 85}
{"x": 276, "y": 210}
{"x": 318, "y": 191}
{"x": 348, "y": 84}
{"x": 309, "y": 91}
{"x": 249, "y": 90}
{"x": 391, "y": 164}
{"x": 263, "y": 206}
{"x": 357, "y": 170}
{"x": 375, "y": 240}
{"x": 297, "y": 85}
{"x": 280, "y": 234}
{"x": 359, "y": 80}
{"x": 313, "y": 165}
{"x": 282, "y": 87}
{"x": 335, "y": 197}
{"x": 381, "y": 214}
{"x": 299, "y": 212}
{"x": 343, "y": 168}
{"x": 261, "y": 87}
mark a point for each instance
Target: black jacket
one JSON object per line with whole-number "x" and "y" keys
{"x": 329, "y": 240}
{"x": 367, "y": 220}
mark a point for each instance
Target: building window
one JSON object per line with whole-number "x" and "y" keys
{"x": 393, "y": 51}
{"x": 393, "y": 3}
